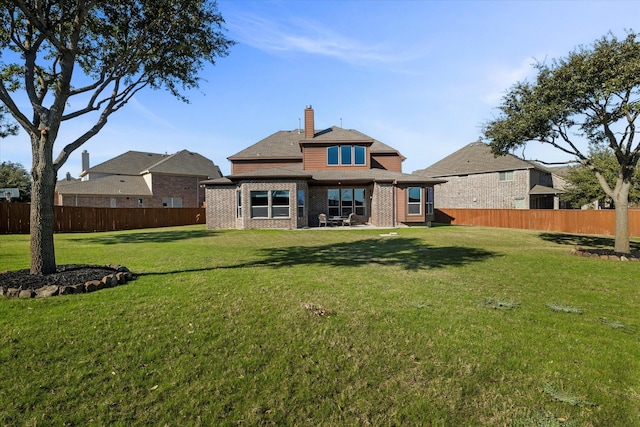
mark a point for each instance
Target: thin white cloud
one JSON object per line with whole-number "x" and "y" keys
{"x": 304, "y": 36}
{"x": 499, "y": 78}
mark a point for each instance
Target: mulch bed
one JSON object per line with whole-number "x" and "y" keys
{"x": 65, "y": 276}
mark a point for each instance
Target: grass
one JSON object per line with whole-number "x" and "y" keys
{"x": 441, "y": 326}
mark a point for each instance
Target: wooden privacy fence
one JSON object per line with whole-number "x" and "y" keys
{"x": 14, "y": 218}
{"x": 596, "y": 222}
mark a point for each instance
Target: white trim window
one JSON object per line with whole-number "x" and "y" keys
{"x": 346, "y": 155}
{"x": 171, "y": 202}
{"x": 280, "y": 204}
{"x": 259, "y": 204}
{"x": 239, "y": 204}
{"x": 414, "y": 201}
{"x": 505, "y": 176}
{"x": 270, "y": 204}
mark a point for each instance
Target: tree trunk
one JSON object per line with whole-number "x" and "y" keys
{"x": 622, "y": 220}
{"x": 43, "y": 258}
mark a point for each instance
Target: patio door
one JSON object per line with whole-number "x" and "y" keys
{"x": 343, "y": 201}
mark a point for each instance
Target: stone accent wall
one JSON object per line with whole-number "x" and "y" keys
{"x": 484, "y": 191}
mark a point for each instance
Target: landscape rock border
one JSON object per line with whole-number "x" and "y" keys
{"x": 121, "y": 276}
{"x": 604, "y": 254}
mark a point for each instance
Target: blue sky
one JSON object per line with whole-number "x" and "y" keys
{"x": 420, "y": 76}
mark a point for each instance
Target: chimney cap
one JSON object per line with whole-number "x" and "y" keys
{"x": 308, "y": 106}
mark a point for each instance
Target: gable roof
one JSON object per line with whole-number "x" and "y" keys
{"x": 135, "y": 163}
{"x": 476, "y": 158}
{"x": 285, "y": 144}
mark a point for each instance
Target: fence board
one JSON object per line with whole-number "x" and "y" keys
{"x": 14, "y": 218}
{"x": 594, "y": 222}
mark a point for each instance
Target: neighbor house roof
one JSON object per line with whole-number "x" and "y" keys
{"x": 285, "y": 144}
{"x": 476, "y": 158}
{"x": 183, "y": 163}
{"x": 112, "y": 185}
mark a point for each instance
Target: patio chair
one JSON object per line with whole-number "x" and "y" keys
{"x": 322, "y": 219}
{"x": 350, "y": 220}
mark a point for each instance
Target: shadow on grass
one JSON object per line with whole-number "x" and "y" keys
{"x": 406, "y": 253}
{"x": 146, "y": 237}
{"x": 594, "y": 242}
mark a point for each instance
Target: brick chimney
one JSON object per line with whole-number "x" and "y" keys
{"x": 308, "y": 123}
{"x": 85, "y": 160}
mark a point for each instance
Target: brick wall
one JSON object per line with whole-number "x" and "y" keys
{"x": 483, "y": 191}
{"x": 105, "y": 202}
{"x": 185, "y": 187}
{"x": 221, "y": 207}
{"x": 382, "y": 205}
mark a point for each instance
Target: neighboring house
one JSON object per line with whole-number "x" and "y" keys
{"x": 138, "y": 179}
{"x": 291, "y": 177}
{"x": 475, "y": 178}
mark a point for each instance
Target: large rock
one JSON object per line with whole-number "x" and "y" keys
{"x": 91, "y": 285}
{"x": 47, "y": 291}
{"x": 27, "y": 293}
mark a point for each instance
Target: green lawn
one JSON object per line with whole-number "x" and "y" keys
{"x": 443, "y": 326}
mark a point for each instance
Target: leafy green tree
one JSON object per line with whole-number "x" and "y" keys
{"x": 14, "y": 175}
{"x": 591, "y": 95}
{"x": 6, "y": 127}
{"x": 584, "y": 187}
{"x": 88, "y": 58}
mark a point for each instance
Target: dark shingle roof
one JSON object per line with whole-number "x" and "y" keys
{"x": 285, "y": 144}
{"x": 136, "y": 163}
{"x": 476, "y": 158}
{"x": 113, "y": 185}
{"x": 296, "y": 172}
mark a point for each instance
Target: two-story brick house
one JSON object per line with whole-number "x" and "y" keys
{"x": 476, "y": 178}
{"x": 140, "y": 179}
{"x": 292, "y": 176}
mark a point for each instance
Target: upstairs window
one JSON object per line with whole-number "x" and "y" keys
{"x": 332, "y": 155}
{"x": 346, "y": 155}
{"x": 506, "y": 176}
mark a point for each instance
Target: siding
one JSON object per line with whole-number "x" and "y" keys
{"x": 315, "y": 158}
{"x": 391, "y": 163}
{"x": 253, "y": 165}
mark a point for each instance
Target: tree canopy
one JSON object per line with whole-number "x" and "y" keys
{"x": 73, "y": 58}
{"x": 6, "y": 126}
{"x": 584, "y": 188}
{"x": 14, "y": 175}
{"x": 591, "y": 97}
